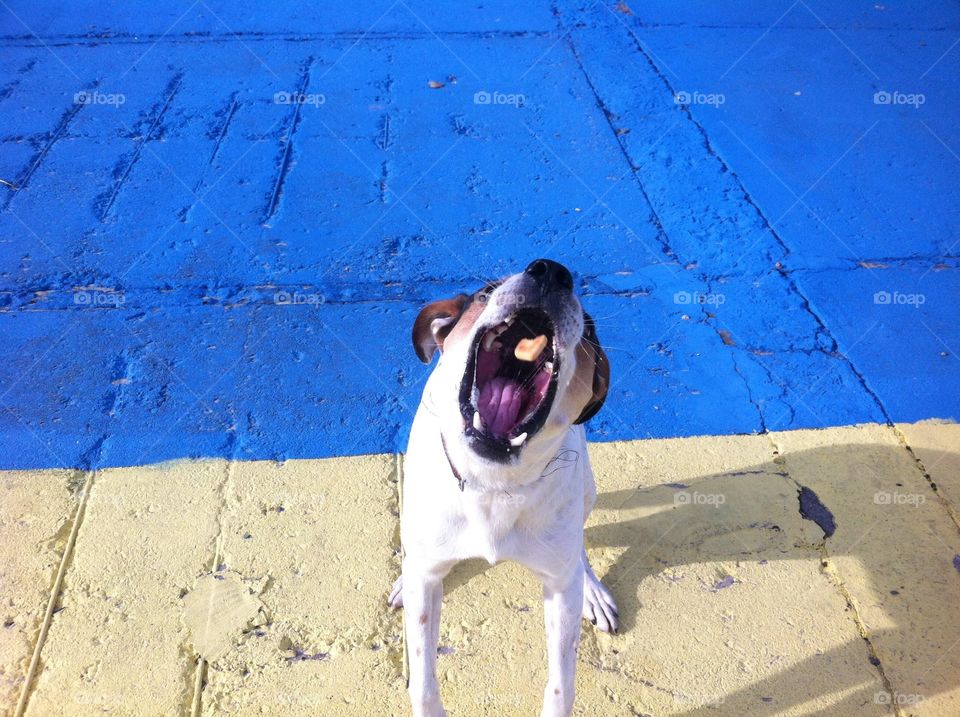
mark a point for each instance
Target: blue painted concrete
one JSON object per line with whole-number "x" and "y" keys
{"x": 192, "y": 266}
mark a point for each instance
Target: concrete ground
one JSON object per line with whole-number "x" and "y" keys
{"x": 793, "y": 573}
{"x": 219, "y": 219}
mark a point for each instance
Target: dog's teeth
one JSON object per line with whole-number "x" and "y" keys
{"x": 477, "y": 423}
{"x": 548, "y": 365}
{"x": 518, "y": 441}
{"x": 488, "y": 339}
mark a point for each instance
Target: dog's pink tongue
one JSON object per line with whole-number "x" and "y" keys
{"x": 500, "y": 402}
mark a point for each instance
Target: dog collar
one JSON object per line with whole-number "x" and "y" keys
{"x": 456, "y": 474}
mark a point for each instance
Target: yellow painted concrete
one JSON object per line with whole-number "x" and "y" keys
{"x": 258, "y": 588}
{"x": 936, "y": 444}
{"x": 319, "y": 540}
{"x": 35, "y": 512}
{"x": 117, "y": 643}
{"x": 892, "y": 555}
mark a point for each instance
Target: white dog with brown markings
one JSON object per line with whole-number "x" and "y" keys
{"x": 497, "y": 464}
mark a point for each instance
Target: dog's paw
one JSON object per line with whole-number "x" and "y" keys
{"x": 598, "y": 605}
{"x": 396, "y": 594}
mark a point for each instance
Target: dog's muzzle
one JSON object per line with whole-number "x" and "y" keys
{"x": 510, "y": 380}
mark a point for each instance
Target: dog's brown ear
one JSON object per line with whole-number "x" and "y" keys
{"x": 434, "y": 322}
{"x": 595, "y": 363}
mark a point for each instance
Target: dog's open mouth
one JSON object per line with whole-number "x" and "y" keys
{"x": 510, "y": 382}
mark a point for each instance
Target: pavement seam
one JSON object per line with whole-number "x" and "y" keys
{"x": 55, "y": 591}
{"x": 792, "y": 285}
{"x": 902, "y": 440}
{"x": 200, "y": 672}
{"x": 834, "y": 578}
{"x": 398, "y": 466}
{"x": 662, "y": 237}
{"x": 116, "y": 38}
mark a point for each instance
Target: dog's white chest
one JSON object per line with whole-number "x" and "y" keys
{"x": 494, "y": 522}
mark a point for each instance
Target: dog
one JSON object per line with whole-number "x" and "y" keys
{"x": 520, "y": 371}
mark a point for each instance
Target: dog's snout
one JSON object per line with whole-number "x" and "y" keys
{"x": 550, "y": 275}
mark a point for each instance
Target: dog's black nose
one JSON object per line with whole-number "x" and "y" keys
{"x": 550, "y": 275}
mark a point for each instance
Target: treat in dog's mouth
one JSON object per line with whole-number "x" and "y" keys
{"x": 510, "y": 381}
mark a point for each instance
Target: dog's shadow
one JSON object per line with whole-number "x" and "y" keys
{"x": 886, "y": 514}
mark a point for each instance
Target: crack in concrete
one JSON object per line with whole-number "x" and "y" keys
{"x": 108, "y": 199}
{"x": 792, "y": 285}
{"x": 662, "y": 236}
{"x": 826, "y": 569}
{"x": 56, "y": 591}
{"x": 219, "y": 135}
{"x": 204, "y": 38}
{"x": 902, "y": 439}
{"x": 52, "y": 137}
{"x": 285, "y": 160}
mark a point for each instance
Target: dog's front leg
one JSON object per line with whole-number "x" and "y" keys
{"x": 422, "y": 597}
{"x": 562, "y": 605}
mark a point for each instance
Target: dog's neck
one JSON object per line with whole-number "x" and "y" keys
{"x": 484, "y": 476}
